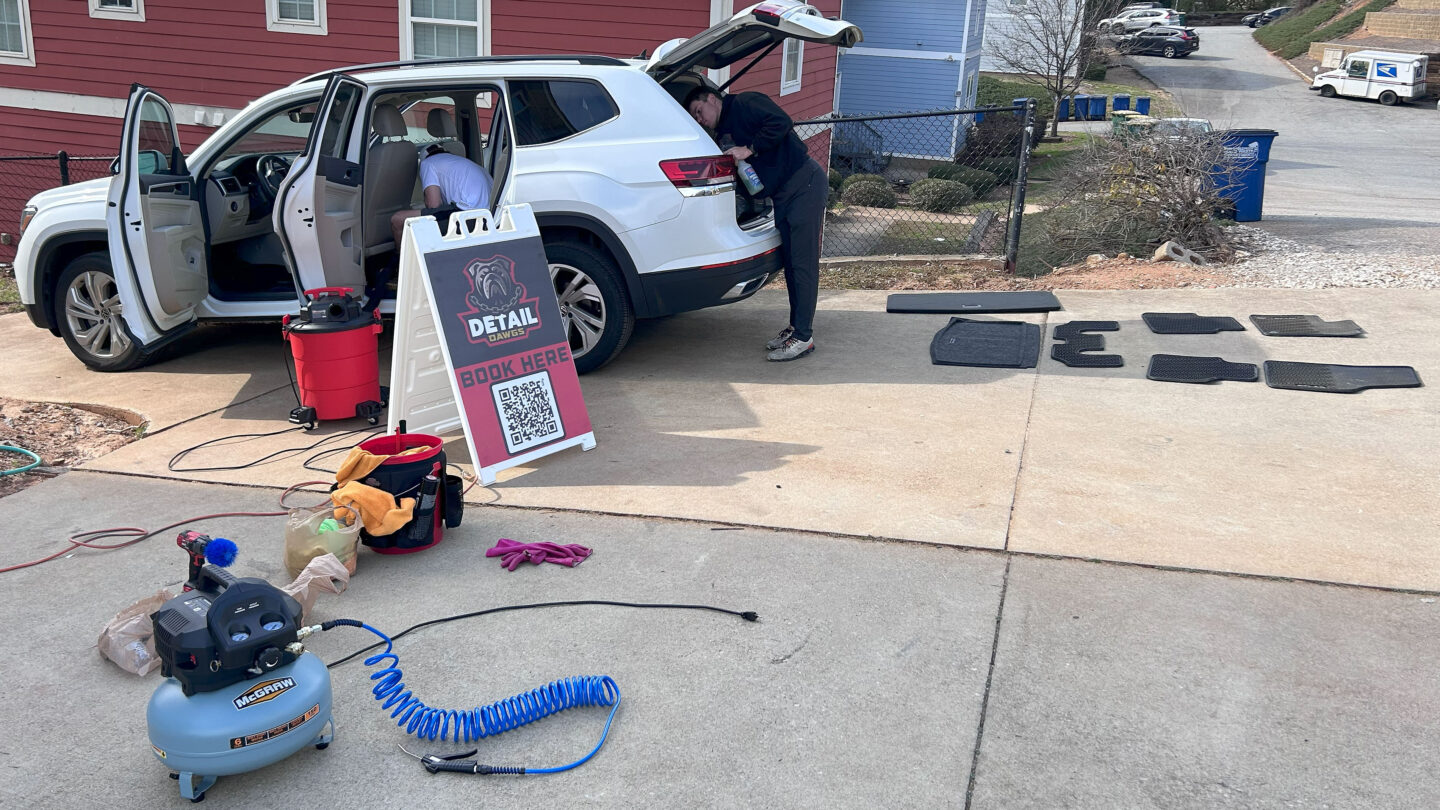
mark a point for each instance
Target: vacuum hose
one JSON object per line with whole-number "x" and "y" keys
{"x": 426, "y": 722}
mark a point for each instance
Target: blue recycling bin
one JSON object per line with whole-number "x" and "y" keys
{"x": 1062, "y": 112}
{"x": 1121, "y": 101}
{"x": 1020, "y": 102}
{"x": 1082, "y": 107}
{"x": 1097, "y": 108}
{"x": 1142, "y": 105}
{"x": 1251, "y": 149}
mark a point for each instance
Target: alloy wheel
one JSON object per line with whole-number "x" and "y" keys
{"x": 93, "y": 314}
{"x": 582, "y": 308}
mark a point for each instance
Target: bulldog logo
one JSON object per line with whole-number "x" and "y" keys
{"x": 499, "y": 311}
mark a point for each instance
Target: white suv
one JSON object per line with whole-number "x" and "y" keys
{"x": 1138, "y": 19}
{"x": 639, "y": 210}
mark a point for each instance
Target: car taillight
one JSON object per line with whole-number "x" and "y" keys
{"x": 699, "y": 172}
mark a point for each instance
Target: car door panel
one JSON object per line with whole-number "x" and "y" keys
{"x": 155, "y": 230}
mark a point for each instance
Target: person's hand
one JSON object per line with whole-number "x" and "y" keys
{"x": 740, "y": 152}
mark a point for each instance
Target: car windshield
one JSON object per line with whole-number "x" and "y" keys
{"x": 1181, "y": 127}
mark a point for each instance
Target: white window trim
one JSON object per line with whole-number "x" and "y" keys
{"x": 136, "y": 13}
{"x": 786, "y": 88}
{"x": 319, "y": 28}
{"x": 407, "y": 31}
{"x": 28, "y": 57}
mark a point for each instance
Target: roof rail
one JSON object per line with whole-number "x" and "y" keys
{"x": 467, "y": 60}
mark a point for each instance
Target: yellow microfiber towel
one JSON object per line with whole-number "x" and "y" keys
{"x": 360, "y": 463}
{"x": 378, "y": 512}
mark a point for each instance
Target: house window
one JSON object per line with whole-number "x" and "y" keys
{"x": 133, "y": 10}
{"x": 16, "y": 44}
{"x": 445, "y": 28}
{"x": 296, "y": 16}
{"x": 792, "y": 66}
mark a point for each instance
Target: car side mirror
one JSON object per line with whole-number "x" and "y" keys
{"x": 150, "y": 161}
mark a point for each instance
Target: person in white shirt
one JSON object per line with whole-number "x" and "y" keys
{"x": 451, "y": 183}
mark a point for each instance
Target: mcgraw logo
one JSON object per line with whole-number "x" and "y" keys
{"x": 264, "y": 691}
{"x": 499, "y": 311}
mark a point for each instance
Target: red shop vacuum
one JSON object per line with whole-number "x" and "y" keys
{"x": 335, "y": 345}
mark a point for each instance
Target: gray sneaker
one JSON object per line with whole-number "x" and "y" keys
{"x": 793, "y": 349}
{"x": 779, "y": 340}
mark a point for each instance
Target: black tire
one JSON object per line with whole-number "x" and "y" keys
{"x": 1118, "y": 29}
{"x": 1388, "y": 98}
{"x": 1169, "y": 52}
{"x": 91, "y": 277}
{"x": 1327, "y": 91}
{"x": 598, "y": 298}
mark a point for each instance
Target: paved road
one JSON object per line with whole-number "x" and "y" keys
{"x": 1344, "y": 174}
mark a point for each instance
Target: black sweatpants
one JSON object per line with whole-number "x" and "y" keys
{"x": 800, "y": 217}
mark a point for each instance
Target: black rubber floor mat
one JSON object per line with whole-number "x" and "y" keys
{"x": 1182, "y": 369}
{"x": 993, "y": 344}
{"x": 1066, "y": 331}
{"x": 977, "y": 302}
{"x": 1188, "y": 323}
{"x": 1304, "y": 326}
{"x": 1081, "y": 352}
{"x": 1337, "y": 379}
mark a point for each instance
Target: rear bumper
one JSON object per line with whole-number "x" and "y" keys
{"x": 693, "y": 288}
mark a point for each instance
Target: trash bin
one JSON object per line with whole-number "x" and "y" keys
{"x": 1097, "y": 108}
{"x": 1142, "y": 105}
{"x": 1251, "y": 148}
{"x": 1121, "y": 102}
{"x": 1062, "y": 112}
{"x": 1082, "y": 107}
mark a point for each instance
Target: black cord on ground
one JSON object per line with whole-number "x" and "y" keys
{"x": 747, "y": 615}
{"x": 175, "y": 459}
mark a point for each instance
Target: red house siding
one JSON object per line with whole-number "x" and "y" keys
{"x": 604, "y": 27}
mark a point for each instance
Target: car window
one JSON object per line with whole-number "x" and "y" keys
{"x": 156, "y": 136}
{"x": 547, "y": 110}
{"x": 1359, "y": 69}
{"x": 285, "y": 131}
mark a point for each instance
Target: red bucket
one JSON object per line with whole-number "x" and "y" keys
{"x": 403, "y": 477}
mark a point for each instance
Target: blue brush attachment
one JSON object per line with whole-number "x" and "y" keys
{"x": 221, "y": 552}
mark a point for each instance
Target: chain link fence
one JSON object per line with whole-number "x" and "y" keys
{"x": 948, "y": 182}
{"x": 24, "y": 176}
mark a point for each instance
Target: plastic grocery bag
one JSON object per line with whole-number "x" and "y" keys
{"x": 312, "y": 532}
{"x": 129, "y": 638}
{"x": 324, "y": 574}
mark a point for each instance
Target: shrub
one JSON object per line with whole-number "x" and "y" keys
{"x": 863, "y": 178}
{"x": 872, "y": 194}
{"x": 836, "y": 178}
{"x": 1001, "y": 168}
{"x": 981, "y": 182}
{"x": 940, "y": 196}
{"x": 1295, "y": 30}
{"x": 1094, "y": 73}
{"x": 993, "y": 92}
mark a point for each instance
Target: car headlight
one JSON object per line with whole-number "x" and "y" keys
{"x": 26, "y": 214}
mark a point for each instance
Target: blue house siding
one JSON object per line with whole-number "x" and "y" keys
{"x": 922, "y": 25}
{"x": 878, "y": 85}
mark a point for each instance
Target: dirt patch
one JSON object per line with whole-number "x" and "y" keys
{"x": 61, "y": 435}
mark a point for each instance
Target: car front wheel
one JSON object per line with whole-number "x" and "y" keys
{"x": 594, "y": 309}
{"x": 1327, "y": 91}
{"x": 88, "y": 310}
{"x": 1117, "y": 29}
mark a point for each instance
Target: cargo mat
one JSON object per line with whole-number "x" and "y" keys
{"x": 993, "y": 344}
{"x": 978, "y": 302}
{"x": 1337, "y": 379}
{"x": 1188, "y": 323}
{"x": 1304, "y": 326}
{"x": 1183, "y": 369}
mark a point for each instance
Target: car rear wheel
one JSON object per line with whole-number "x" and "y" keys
{"x": 1388, "y": 98}
{"x": 1169, "y": 52}
{"x": 89, "y": 313}
{"x": 1327, "y": 91}
{"x": 594, "y": 309}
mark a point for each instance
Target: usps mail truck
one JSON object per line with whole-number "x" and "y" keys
{"x": 1382, "y": 75}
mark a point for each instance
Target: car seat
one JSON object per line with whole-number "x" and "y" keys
{"x": 391, "y": 171}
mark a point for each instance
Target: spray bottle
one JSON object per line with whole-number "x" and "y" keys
{"x": 749, "y": 177}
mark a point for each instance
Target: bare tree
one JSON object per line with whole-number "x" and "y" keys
{"x": 1044, "y": 45}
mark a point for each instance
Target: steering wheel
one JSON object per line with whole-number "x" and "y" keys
{"x": 271, "y": 170}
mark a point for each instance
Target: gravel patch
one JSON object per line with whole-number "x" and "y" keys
{"x": 1266, "y": 260}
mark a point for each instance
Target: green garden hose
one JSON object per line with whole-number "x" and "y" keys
{"x": 5, "y": 448}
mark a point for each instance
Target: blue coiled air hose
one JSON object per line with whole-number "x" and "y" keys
{"x": 427, "y": 723}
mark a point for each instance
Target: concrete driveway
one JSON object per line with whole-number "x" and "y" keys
{"x": 1344, "y": 174}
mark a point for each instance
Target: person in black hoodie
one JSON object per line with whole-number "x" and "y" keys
{"x": 765, "y": 136}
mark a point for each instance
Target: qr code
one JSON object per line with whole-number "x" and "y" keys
{"x": 529, "y": 414}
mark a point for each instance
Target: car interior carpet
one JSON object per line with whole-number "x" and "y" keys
{"x": 1184, "y": 369}
{"x": 1078, "y": 349}
{"x": 1188, "y": 323}
{"x": 1304, "y": 326}
{"x": 976, "y": 302}
{"x": 993, "y": 344}
{"x": 1337, "y": 379}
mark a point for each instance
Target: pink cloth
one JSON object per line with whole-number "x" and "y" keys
{"x": 511, "y": 553}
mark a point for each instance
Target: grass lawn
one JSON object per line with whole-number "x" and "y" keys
{"x": 919, "y": 238}
{"x": 1161, "y": 104}
{"x": 9, "y": 293}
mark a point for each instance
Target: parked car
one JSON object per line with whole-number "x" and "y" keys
{"x": 1382, "y": 75}
{"x": 1163, "y": 40}
{"x": 1139, "y": 19}
{"x": 637, "y": 206}
{"x": 1265, "y": 17}
{"x": 1176, "y": 127}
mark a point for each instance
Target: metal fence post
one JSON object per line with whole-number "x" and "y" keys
{"x": 64, "y": 161}
{"x": 1017, "y": 204}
